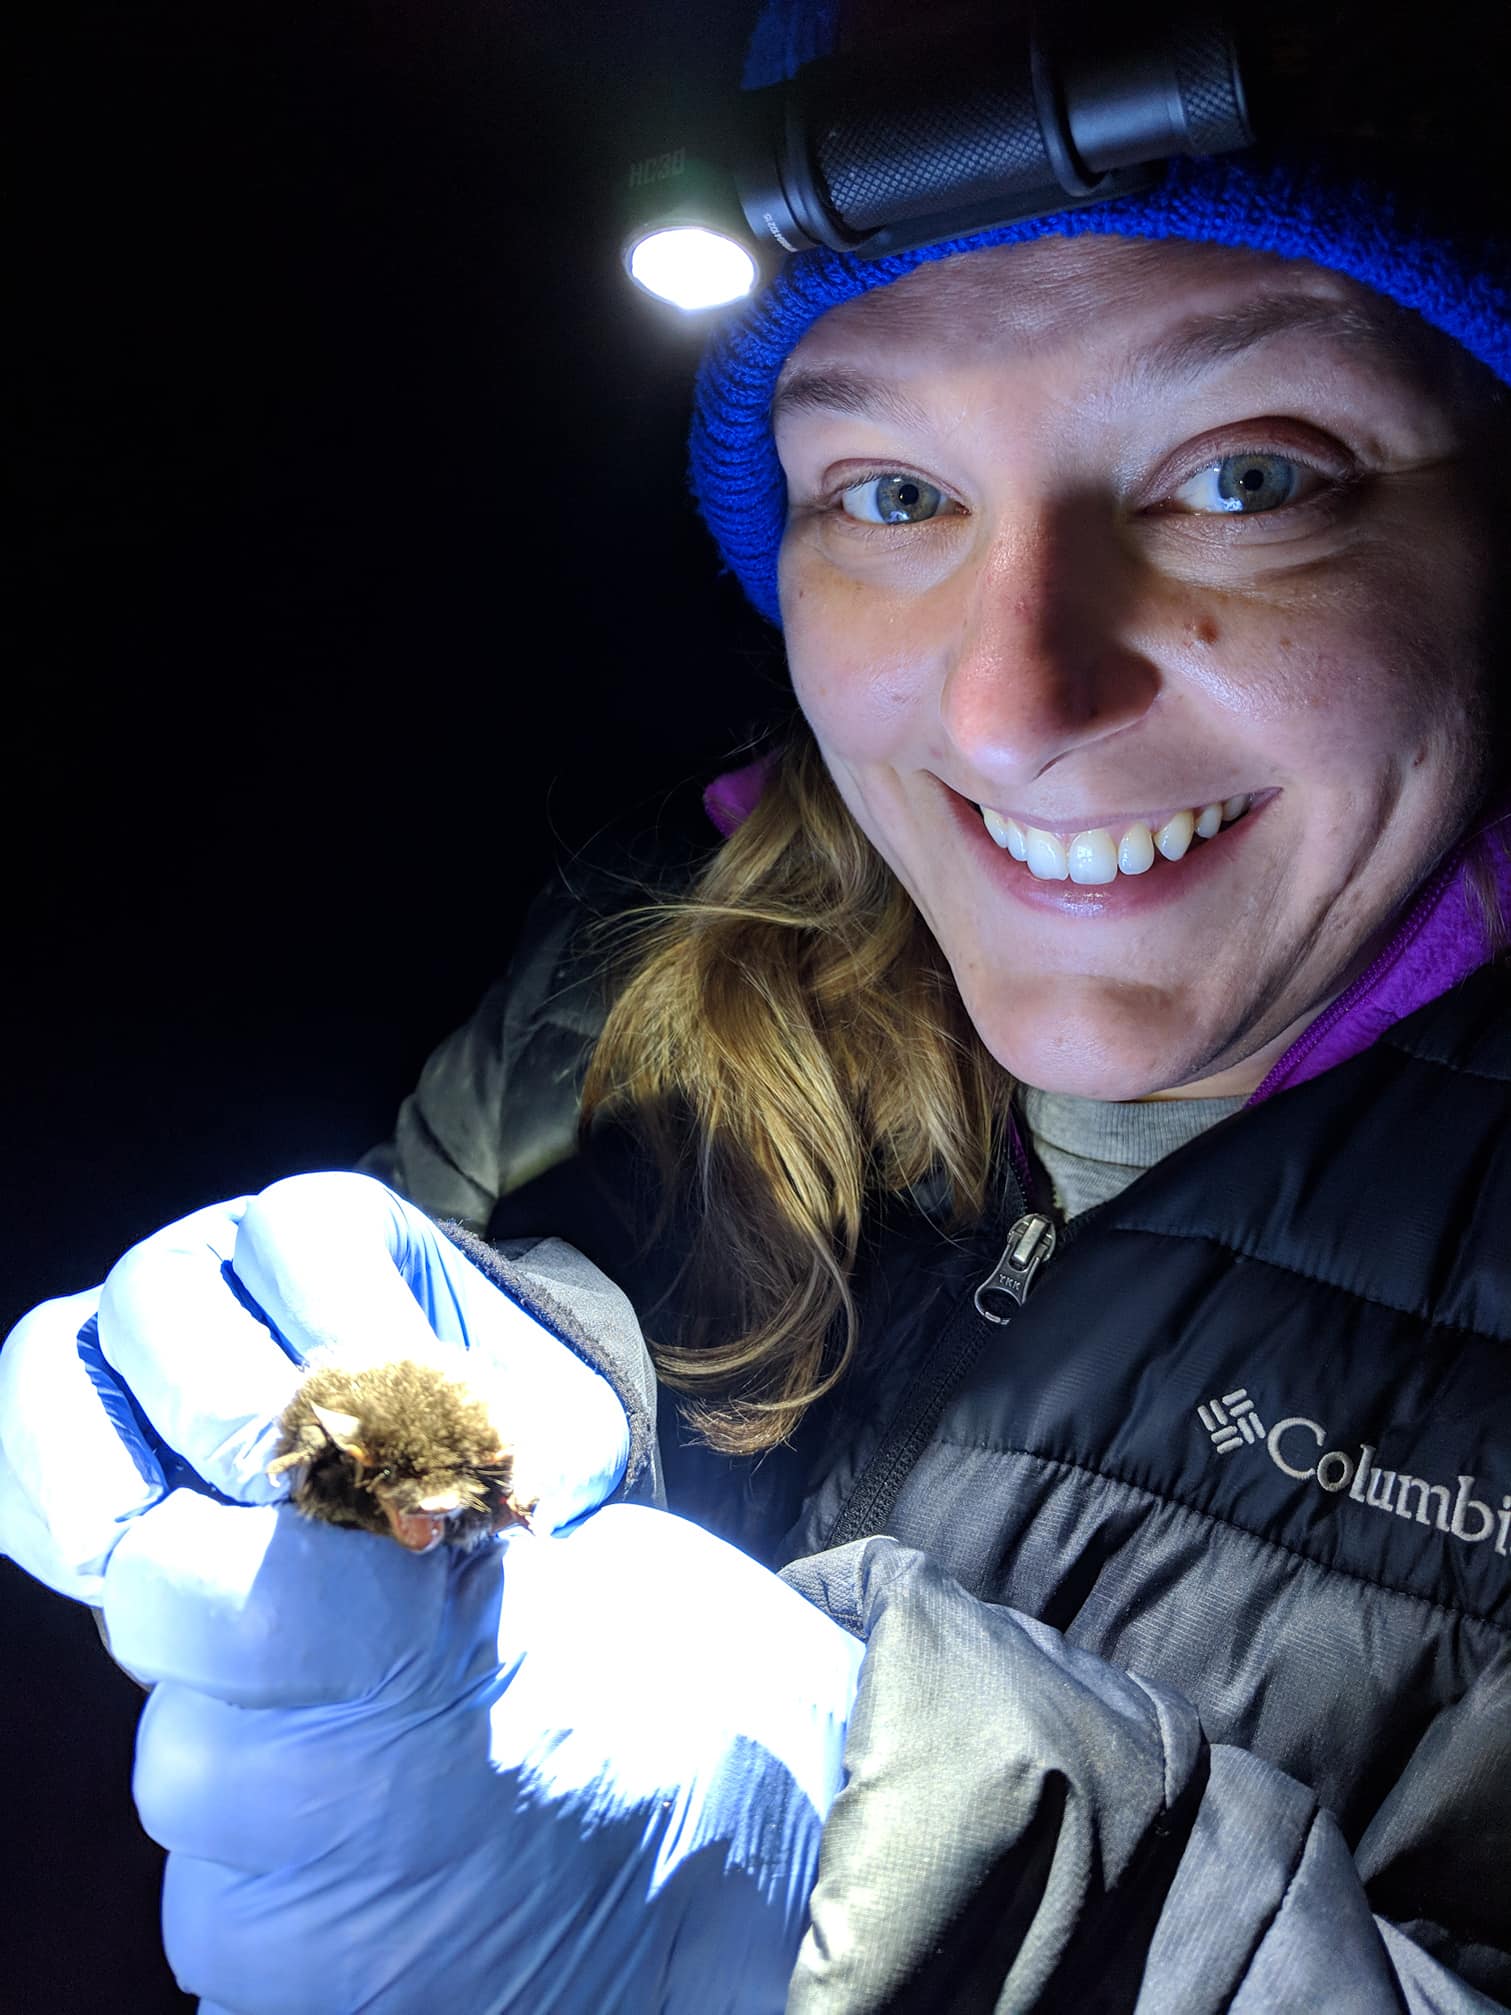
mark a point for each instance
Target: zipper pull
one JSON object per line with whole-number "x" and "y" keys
{"x": 1029, "y": 1243}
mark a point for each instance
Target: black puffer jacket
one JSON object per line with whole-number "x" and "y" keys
{"x": 1188, "y": 1681}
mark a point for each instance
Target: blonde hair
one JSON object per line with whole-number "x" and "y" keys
{"x": 791, "y": 1044}
{"x": 1482, "y": 879}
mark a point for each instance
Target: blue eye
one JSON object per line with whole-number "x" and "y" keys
{"x": 1247, "y": 483}
{"x": 893, "y": 499}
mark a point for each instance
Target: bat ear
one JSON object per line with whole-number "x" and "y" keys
{"x": 342, "y": 1428}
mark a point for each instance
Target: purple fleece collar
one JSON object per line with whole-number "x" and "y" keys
{"x": 1440, "y": 939}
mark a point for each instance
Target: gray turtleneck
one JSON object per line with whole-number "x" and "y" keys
{"x": 1093, "y": 1148}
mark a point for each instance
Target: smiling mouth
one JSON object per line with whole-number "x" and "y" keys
{"x": 1102, "y": 854}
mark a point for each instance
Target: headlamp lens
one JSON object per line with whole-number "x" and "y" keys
{"x": 692, "y": 267}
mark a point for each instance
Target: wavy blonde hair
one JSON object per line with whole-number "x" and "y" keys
{"x": 790, "y": 1043}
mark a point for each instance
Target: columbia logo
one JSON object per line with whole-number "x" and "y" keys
{"x": 1231, "y": 1421}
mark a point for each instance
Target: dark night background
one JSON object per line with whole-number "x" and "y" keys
{"x": 357, "y": 578}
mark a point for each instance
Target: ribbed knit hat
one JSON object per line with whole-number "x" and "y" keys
{"x": 1313, "y": 204}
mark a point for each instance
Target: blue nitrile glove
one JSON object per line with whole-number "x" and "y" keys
{"x": 383, "y": 1785}
{"x": 583, "y": 1773}
{"x": 174, "y": 1372}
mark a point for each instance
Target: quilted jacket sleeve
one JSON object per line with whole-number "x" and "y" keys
{"x": 497, "y": 1101}
{"x": 1025, "y": 1826}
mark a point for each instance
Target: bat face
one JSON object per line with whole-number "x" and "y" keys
{"x": 399, "y": 1449}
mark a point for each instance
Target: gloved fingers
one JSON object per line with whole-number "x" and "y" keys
{"x": 239, "y": 1943}
{"x": 263, "y": 1607}
{"x": 405, "y": 1782}
{"x": 342, "y": 1265}
{"x": 251, "y": 1788}
{"x": 210, "y": 1319}
{"x": 197, "y": 1353}
{"x": 309, "y": 1940}
{"x": 76, "y": 1463}
{"x": 554, "y": 1906}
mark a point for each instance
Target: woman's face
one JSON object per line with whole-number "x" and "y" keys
{"x": 1096, "y": 534}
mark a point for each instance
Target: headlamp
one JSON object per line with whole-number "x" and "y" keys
{"x": 876, "y": 157}
{"x": 692, "y": 266}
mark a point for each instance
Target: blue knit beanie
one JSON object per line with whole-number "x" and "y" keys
{"x": 1313, "y": 205}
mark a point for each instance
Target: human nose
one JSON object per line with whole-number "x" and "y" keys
{"x": 1044, "y": 663}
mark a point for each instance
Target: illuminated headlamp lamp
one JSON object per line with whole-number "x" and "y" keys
{"x": 690, "y": 242}
{"x": 876, "y": 158}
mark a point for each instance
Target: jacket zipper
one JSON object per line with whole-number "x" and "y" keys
{"x": 1031, "y": 1240}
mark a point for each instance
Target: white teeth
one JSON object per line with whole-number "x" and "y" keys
{"x": 1136, "y": 851}
{"x": 1092, "y": 858}
{"x": 1046, "y": 856}
{"x": 1174, "y": 836}
{"x": 1006, "y": 832}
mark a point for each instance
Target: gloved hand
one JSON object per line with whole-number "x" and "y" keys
{"x": 581, "y": 1773}
{"x": 173, "y": 1374}
{"x": 585, "y": 1771}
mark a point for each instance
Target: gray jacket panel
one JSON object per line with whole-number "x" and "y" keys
{"x": 1024, "y": 1825}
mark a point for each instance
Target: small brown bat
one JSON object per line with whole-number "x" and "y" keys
{"x": 399, "y": 1449}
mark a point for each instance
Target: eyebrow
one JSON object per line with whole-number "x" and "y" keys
{"x": 1195, "y": 346}
{"x": 862, "y": 398}
{"x": 1208, "y": 340}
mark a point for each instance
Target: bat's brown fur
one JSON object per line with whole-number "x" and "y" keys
{"x": 417, "y": 1452}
